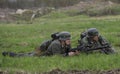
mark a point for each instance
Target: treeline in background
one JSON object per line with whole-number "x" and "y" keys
{"x": 41, "y": 3}
{"x": 36, "y": 3}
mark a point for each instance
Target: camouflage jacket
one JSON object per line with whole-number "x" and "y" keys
{"x": 44, "y": 45}
{"x": 87, "y": 43}
{"x": 55, "y": 48}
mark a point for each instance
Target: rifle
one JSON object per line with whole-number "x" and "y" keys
{"x": 97, "y": 48}
{"x": 91, "y": 49}
{"x": 67, "y": 48}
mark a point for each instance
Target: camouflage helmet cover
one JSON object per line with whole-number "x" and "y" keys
{"x": 55, "y": 35}
{"x": 64, "y": 35}
{"x": 92, "y": 32}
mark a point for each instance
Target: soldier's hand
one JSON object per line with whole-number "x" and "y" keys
{"x": 77, "y": 52}
{"x": 74, "y": 53}
{"x": 71, "y": 53}
{"x": 67, "y": 42}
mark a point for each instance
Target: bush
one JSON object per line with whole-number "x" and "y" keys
{"x": 100, "y": 10}
{"x": 26, "y": 16}
{"x": 115, "y": 9}
{"x": 55, "y": 15}
{"x": 106, "y": 10}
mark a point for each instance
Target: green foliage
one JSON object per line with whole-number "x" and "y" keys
{"x": 25, "y": 37}
{"x": 36, "y": 3}
{"x": 106, "y": 10}
{"x": 73, "y": 12}
{"x": 26, "y": 16}
{"x": 93, "y": 9}
{"x": 55, "y": 15}
{"x": 115, "y": 9}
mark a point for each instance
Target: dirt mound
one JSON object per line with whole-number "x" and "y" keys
{"x": 58, "y": 71}
{"x": 87, "y": 4}
{"x": 4, "y": 14}
{"x": 93, "y": 8}
{"x": 11, "y": 15}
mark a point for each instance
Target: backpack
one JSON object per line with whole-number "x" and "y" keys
{"x": 44, "y": 46}
{"x": 84, "y": 34}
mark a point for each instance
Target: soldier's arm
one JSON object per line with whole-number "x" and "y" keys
{"x": 52, "y": 49}
{"x": 103, "y": 40}
{"x": 83, "y": 45}
{"x": 110, "y": 49}
{"x": 55, "y": 48}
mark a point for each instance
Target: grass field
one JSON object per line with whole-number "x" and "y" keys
{"x": 24, "y": 37}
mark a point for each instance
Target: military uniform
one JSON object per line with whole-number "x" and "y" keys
{"x": 44, "y": 46}
{"x": 87, "y": 43}
{"x": 41, "y": 49}
{"x": 50, "y": 47}
{"x": 55, "y": 48}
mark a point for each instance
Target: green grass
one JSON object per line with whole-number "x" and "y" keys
{"x": 25, "y": 37}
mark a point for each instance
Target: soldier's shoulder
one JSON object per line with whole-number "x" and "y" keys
{"x": 84, "y": 40}
{"x": 47, "y": 41}
{"x": 56, "y": 42}
{"x": 102, "y": 37}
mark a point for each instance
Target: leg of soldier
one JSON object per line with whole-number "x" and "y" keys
{"x": 38, "y": 52}
{"x": 108, "y": 51}
{"x": 25, "y": 54}
{"x": 13, "y": 54}
{"x": 103, "y": 51}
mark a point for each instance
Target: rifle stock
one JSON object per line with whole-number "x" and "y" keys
{"x": 90, "y": 49}
{"x": 97, "y": 48}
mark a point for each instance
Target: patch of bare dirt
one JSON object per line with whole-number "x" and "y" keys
{"x": 118, "y": 35}
{"x": 91, "y": 8}
{"x": 10, "y": 15}
{"x": 118, "y": 45}
{"x": 87, "y": 4}
{"x": 58, "y": 71}
{"x": 4, "y": 14}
